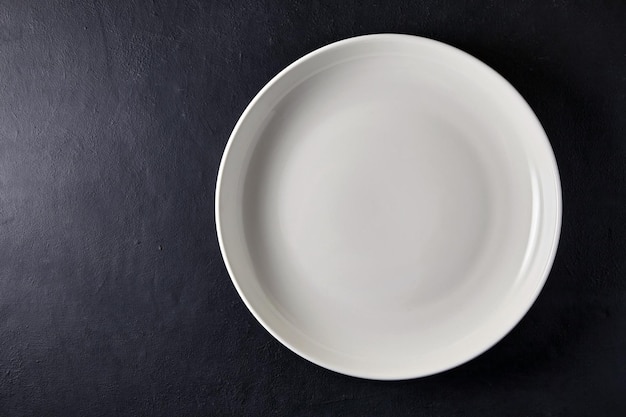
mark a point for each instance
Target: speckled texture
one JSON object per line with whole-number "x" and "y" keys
{"x": 114, "y": 299}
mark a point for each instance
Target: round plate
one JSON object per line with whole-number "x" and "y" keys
{"x": 388, "y": 207}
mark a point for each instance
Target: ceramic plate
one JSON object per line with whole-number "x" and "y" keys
{"x": 388, "y": 207}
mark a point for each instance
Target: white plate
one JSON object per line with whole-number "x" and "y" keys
{"x": 388, "y": 207}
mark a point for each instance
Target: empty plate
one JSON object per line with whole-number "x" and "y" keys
{"x": 388, "y": 207}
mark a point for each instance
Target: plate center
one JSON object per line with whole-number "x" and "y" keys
{"x": 377, "y": 204}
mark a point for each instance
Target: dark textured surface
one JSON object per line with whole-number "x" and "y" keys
{"x": 113, "y": 296}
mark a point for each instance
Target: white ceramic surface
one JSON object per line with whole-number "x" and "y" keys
{"x": 388, "y": 207}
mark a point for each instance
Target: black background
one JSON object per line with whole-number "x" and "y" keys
{"x": 114, "y": 299}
